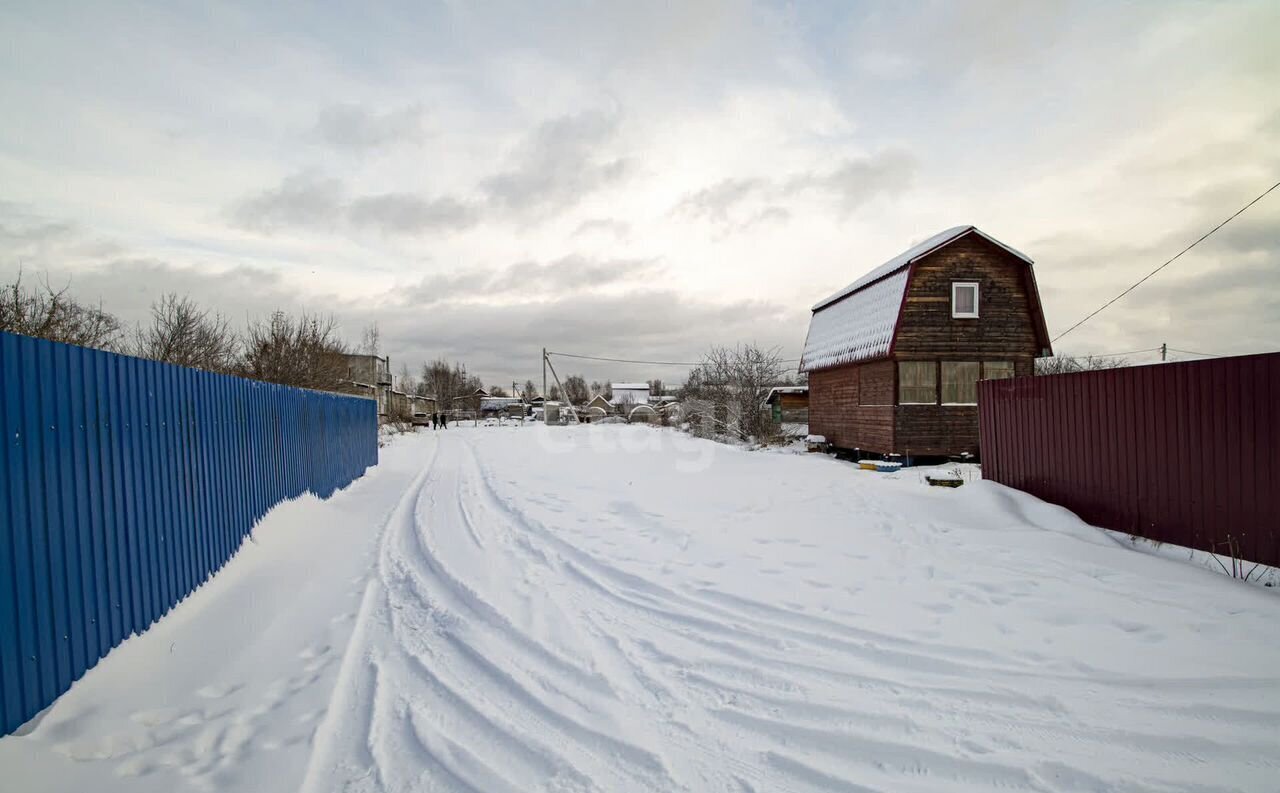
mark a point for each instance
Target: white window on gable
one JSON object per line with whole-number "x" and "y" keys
{"x": 964, "y": 299}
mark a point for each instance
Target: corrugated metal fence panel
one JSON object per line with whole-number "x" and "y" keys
{"x": 1182, "y": 452}
{"x": 125, "y": 484}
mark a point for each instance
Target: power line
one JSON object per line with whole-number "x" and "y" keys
{"x": 1193, "y": 352}
{"x": 1109, "y": 354}
{"x": 622, "y": 360}
{"x": 1130, "y": 352}
{"x": 1166, "y": 264}
{"x": 653, "y": 363}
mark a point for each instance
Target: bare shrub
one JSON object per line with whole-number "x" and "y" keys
{"x": 728, "y": 389}
{"x": 184, "y": 334}
{"x": 302, "y": 351}
{"x": 1066, "y": 364}
{"x": 53, "y": 314}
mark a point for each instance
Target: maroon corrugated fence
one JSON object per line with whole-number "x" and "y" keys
{"x": 1186, "y": 453}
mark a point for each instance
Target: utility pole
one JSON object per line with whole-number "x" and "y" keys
{"x": 544, "y": 372}
{"x": 1164, "y": 350}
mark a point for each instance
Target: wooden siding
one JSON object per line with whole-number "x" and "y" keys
{"x": 835, "y": 411}
{"x": 1005, "y": 327}
{"x": 793, "y": 401}
{"x": 936, "y": 429}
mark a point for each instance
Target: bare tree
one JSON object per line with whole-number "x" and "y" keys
{"x": 528, "y": 391}
{"x": 554, "y": 396}
{"x": 575, "y": 389}
{"x": 302, "y": 351}
{"x": 445, "y": 381}
{"x": 371, "y": 340}
{"x": 734, "y": 382}
{"x": 407, "y": 383}
{"x": 1065, "y": 364}
{"x": 182, "y": 333}
{"x": 46, "y": 313}
{"x": 497, "y": 390}
{"x": 655, "y": 388}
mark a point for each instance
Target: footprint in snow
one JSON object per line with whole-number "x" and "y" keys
{"x": 218, "y": 692}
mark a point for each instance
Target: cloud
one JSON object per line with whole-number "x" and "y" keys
{"x": 859, "y": 180}
{"x": 851, "y": 184}
{"x": 716, "y": 201}
{"x": 311, "y": 203}
{"x": 532, "y": 280}
{"x": 557, "y": 164}
{"x": 617, "y": 228}
{"x": 27, "y": 237}
{"x": 354, "y": 126}
{"x": 302, "y": 200}
{"x": 404, "y": 213}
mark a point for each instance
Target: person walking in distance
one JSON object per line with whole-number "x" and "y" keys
{"x": 435, "y": 421}
{"x": 444, "y": 421}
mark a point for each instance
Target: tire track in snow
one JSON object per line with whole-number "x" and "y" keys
{"x": 432, "y": 656}
{"x": 494, "y": 652}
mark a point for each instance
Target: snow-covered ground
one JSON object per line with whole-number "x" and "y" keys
{"x": 624, "y": 608}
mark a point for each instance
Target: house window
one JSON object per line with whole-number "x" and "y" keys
{"x": 964, "y": 299}
{"x": 959, "y": 382}
{"x": 917, "y": 383}
{"x": 997, "y": 370}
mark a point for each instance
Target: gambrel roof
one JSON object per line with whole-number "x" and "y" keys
{"x": 858, "y": 322}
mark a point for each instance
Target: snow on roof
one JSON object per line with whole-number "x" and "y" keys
{"x": 630, "y": 386}
{"x": 856, "y": 328}
{"x": 911, "y": 254}
{"x": 785, "y": 389}
{"x": 857, "y": 322}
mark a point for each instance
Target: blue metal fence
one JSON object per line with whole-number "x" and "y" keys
{"x": 126, "y": 483}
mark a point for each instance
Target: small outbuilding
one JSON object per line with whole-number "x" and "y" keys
{"x": 789, "y": 404}
{"x": 598, "y": 402}
{"x": 895, "y": 357}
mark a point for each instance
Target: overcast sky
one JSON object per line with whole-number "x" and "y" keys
{"x": 485, "y": 179}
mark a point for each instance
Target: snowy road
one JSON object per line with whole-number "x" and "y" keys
{"x": 625, "y": 609}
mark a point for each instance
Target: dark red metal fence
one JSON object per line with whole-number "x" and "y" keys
{"x": 1186, "y": 453}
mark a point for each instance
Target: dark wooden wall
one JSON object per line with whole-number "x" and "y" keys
{"x": 936, "y": 429}
{"x": 852, "y": 406}
{"x": 1004, "y": 329}
{"x": 793, "y": 401}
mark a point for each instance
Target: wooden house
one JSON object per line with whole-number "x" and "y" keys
{"x": 894, "y": 358}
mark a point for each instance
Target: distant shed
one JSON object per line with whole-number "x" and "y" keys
{"x": 789, "y": 403}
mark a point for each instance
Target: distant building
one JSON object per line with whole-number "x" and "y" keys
{"x": 369, "y": 376}
{"x": 630, "y": 394}
{"x": 894, "y": 358}
{"x": 789, "y": 403}
{"x": 370, "y": 369}
{"x": 507, "y": 406}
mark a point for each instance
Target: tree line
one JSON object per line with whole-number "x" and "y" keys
{"x": 303, "y": 350}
